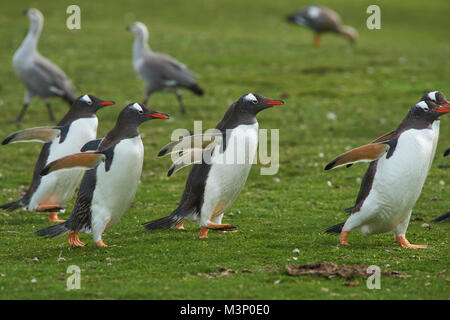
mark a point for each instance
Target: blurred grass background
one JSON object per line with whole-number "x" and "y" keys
{"x": 235, "y": 47}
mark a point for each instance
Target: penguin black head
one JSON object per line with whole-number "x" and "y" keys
{"x": 136, "y": 113}
{"x": 432, "y": 105}
{"x": 253, "y": 103}
{"x": 89, "y": 104}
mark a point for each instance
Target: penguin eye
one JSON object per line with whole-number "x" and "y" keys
{"x": 426, "y": 109}
{"x": 254, "y": 101}
{"x": 140, "y": 111}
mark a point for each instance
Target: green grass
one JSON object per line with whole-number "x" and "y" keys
{"x": 236, "y": 47}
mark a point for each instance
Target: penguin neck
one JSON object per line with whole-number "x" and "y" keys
{"x": 234, "y": 118}
{"x": 74, "y": 114}
{"x": 412, "y": 121}
{"x": 30, "y": 42}
{"x": 125, "y": 130}
{"x": 140, "y": 46}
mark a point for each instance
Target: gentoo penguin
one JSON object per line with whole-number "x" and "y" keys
{"x": 321, "y": 20}
{"x": 79, "y": 125}
{"x": 159, "y": 71}
{"x": 212, "y": 186}
{"x": 41, "y": 77}
{"x": 447, "y": 214}
{"x": 400, "y": 161}
{"x": 109, "y": 186}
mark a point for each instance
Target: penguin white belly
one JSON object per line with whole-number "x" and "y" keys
{"x": 58, "y": 188}
{"x": 229, "y": 172}
{"x": 397, "y": 183}
{"x": 115, "y": 189}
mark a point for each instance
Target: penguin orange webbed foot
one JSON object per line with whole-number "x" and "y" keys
{"x": 101, "y": 244}
{"x": 203, "y": 233}
{"x": 73, "y": 239}
{"x": 343, "y": 238}
{"x": 405, "y": 244}
{"x": 180, "y": 226}
{"x": 53, "y": 217}
{"x": 221, "y": 227}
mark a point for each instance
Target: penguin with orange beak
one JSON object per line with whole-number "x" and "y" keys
{"x": 78, "y": 126}
{"x": 212, "y": 186}
{"x": 399, "y": 164}
{"x": 110, "y": 184}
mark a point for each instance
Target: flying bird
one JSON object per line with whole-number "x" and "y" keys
{"x": 78, "y": 126}
{"x": 213, "y": 185}
{"x": 399, "y": 164}
{"x": 323, "y": 20}
{"x": 41, "y": 77}
{"x": 159, "y": 71}
{"x": 110, "y": 184}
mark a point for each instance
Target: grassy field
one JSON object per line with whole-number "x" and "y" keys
{"x": 236, "y": 47}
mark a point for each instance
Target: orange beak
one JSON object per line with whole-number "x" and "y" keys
{"x": 158, "y": 115}
{"x": 274, "y": 102}
{"x": 443, "y": 108}
{"x": 107, "y": 103}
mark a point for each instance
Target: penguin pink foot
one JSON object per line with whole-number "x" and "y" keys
{"x": 100, "y": 243}
{"x": 343, "y": 238}
{"x": 53, "y": 217}
{"x": 203, "y": 233}
{"x": 405, "y": 243}
{"x": 180, "y": 226}
{"x": 74, "y": 241}
{"x": 221, "y": 227}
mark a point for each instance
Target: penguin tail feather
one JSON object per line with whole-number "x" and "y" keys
{"x": 443, "y": 217}
{"x": 166, "y": 222}
{"x": 337, "y": 228}
{"x": 11, "y": 206}
{"x": 53, "y": 231}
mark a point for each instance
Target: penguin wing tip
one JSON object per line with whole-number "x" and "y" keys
{"x": 330, "y": 165}
{"x": 44, "y": 171}
{"x": 7, "y": 140}
{"x": 162, "y": 152}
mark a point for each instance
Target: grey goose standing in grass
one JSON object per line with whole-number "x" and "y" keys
{"x": 212, "y": 186}
{"x": 110, "y": 184}
{"x": 51, "y": 193}
{"x": 321, "y": 20}
{"x": 399, "y": 164}
{"x": 41, "y": 77}
{"x": 159, "y": 71}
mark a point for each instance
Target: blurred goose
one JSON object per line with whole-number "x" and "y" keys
{"x": 159, "y": 71}
{"x": 41, "y": 77}
{"x": 321, "y": 19}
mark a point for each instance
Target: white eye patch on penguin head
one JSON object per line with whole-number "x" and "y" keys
{"x": 432, "y": 96}
{"x": 86, "y": 99}
{"x": 250, "y": 98}
{"x": 423, "y": 106}
{"x": 137, "y": 107}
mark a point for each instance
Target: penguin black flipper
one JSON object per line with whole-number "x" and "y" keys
{"x": 441, "y": 218}
{"x": 447, "y": 152}
{"x": 38, "y": 134}
{"x": 385, "y": 137}
{"x": 91, "y": 145}
{"x": 366, "y": 153}
{"x": 198, "y": 141}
